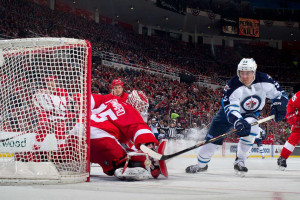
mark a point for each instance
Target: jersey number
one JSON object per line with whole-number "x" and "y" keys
{"x": 103, "y": 116}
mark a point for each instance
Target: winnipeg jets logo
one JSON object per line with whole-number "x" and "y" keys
{"x": 226, "y": 88}
{"x": 251, "y": 103}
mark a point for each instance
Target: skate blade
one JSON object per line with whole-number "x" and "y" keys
{"x": 239, "y": 173}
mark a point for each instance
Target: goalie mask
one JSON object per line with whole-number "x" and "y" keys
{"x": 139, "y": 101}
{"x": 247, "y": 64}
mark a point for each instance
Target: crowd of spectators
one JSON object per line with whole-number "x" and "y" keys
{"x": 26, "y": 19}
{"x": 267, "y": 10}
{"x": 194, "y": 104}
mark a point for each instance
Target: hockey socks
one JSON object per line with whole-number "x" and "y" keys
{"x": 205, "y": 153}
{"x": 287, "y": 150}
{"x": 261, "y": 151}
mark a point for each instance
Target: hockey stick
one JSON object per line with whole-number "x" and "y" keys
{"x": 158, "y": 156}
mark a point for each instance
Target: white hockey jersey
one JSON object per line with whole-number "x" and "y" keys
{"x": 238, "y": 99}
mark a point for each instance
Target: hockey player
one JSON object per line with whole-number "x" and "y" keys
{"x": 117, "y": 90}
{"x": 258, "y": 139}
{"x": 51, "y": 107}
{"x": 115, "y": 122}
{"x": 243, "y": 98}
{"x": 116, "y": 93}
{"x": 293, "y": 119}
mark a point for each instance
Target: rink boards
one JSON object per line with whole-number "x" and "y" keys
{"x": 227, "y": 149}
{"x": 25, "y": 142}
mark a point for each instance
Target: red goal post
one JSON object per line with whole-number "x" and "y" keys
{"x": 45, "y": 86}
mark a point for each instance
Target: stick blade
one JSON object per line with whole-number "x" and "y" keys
{"x": 150, "y": 152}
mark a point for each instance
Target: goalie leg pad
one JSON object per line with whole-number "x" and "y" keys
{"x": 132, "y": 174}
{"x": 162, "y": 163}
{"x": 137, "y": 167}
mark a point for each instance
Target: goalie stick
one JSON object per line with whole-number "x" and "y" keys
{"x": 158, "y": 156}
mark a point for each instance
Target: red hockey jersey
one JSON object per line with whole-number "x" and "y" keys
{"x": 118, "y": 119}
{"x": 294, "y": 103}
{"x": 98, "y": 99}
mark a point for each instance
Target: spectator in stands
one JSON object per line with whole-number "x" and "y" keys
{"x": 270, "y": 138}
{"x": 154, "y": 126}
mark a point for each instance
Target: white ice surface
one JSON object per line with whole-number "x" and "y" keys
{"x": 263, "y": 181}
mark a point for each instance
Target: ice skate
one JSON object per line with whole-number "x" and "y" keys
{"x": 132, "y": 174}
{"x": 195, "y": 168}
{"x": 281, "y": 162}
{"x": 239, "y": 168}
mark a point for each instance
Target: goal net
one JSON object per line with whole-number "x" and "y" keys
{"x": 44, "y": 96}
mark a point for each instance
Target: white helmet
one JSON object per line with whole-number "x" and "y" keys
{"x": 247, "y": 64}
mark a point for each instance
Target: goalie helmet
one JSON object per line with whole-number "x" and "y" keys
{"x": 139, "y": 101}
{"x": 247, "y": 64}
{"x": 116, "y": 82}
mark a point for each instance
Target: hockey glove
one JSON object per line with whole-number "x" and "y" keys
{"x": 293, "y": 118}
{"x": 278, "y": 108}
{"x": 243, "y": 128}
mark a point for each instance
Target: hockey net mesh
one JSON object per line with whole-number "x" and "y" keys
{"x": 43, "y": 118}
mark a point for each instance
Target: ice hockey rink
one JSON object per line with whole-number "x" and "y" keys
{"x": 263, "y": 181}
